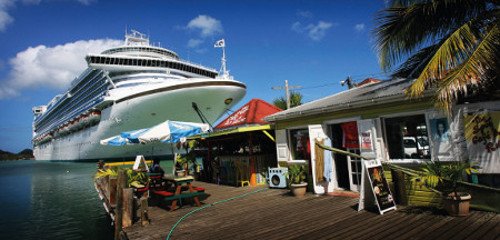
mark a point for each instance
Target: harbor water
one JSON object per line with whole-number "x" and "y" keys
{"x": 51, "y": 200}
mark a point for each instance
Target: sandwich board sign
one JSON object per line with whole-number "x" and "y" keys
{"x": 140, "y": 164}
{"x": 374, "y": 188}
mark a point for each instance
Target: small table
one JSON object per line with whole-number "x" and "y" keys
{"x": 178, "y": 195}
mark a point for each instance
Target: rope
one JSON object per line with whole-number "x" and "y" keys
{"x": 336, "y": 150}
{"x": 207, "y": 206}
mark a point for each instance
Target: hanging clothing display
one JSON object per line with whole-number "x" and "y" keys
{"x": 319, "y": 161}
{"x": 350, "y": 135}
{"x": 327, "y": 162}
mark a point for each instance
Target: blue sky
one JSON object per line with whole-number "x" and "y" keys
{"x": 314, "y": 44}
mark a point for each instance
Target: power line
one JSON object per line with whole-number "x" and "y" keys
{"x": 356, "y": 78}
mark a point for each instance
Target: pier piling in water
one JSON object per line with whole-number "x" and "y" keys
{"x": 121, "y": 184}
{"x": 128, "y": 206}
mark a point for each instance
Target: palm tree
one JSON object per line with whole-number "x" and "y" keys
{"x": 450, "y": 45}
{"x": 295, "y": 100}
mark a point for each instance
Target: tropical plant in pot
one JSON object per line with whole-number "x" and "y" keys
{"x": 444, "y": 177}
{"x": 297, "y": 179}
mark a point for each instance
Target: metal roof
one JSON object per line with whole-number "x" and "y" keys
{"x": 376, "y": 93}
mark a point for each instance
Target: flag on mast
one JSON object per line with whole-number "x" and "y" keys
{"x": 220, "y": 44}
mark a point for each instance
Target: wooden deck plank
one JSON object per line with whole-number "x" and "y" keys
{"x": 458, "y": 231}
{"x": 259, "y": 220}
{"x": 359, "y": 219}
{"x": 428, "y": 222}
{"x": 487, "y": 228}
{"x": 402, "y": 227}
{"x": 273, "y": 214}
{"x": 449, "y": 226}
{"x": 307, "y": 220}
{"x": 384, "y": 224}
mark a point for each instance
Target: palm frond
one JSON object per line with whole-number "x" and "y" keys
{"x": 452, "y": 51}
{"x": 407, "y": 26}
{"x": 414, "y": 64}
{"x": 473, "y": 71}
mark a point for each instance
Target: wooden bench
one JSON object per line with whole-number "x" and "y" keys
{"x": 170, "y": 196}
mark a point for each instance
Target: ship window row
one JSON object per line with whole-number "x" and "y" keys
{"x": 72, "y": 114}
{"x": 151, "y": 63}
{"x": 85, "y": 80}
{"x": 77, "y": 102}
{"x": 62, "y": 114}
{"x": 74, "y": 91}
{"x": 141, "y": 49}
{"x": 63, "y": 105}
{"x": 89, "y": 85}
{"x": 88, "y": 81}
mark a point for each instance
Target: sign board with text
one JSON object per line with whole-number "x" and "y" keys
{"x": 374, "y": 187}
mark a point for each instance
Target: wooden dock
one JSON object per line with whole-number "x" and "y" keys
{"x": 274, "y": 214}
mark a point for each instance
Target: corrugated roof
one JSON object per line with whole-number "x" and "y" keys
{"x": 380, "y": 92}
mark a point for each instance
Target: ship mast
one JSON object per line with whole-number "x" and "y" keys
{"x": 224, "y": 73}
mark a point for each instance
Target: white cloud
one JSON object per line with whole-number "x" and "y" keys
{"x": 318, "y": 31}
{"x": 5, "y": 18}
{"x": 208, "y": 26}
{"x": 5, "y": 5}
{"x": 32, "y": 2}
{"x": 52, "y": 67}
{"x": 359, "y": 27}
{"x": 305, "y": 14}
{"x": 86, "y": 2}
{"x": 297, "y": 27}
{"x": 315, "y": 32}
{"x": 194, "y": 43}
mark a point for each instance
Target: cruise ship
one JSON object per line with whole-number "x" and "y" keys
{"x": 133, "y": 86}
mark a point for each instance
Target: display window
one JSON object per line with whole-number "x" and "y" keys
{"x": 407, "y": 137}
{"x": 300, "y": 144}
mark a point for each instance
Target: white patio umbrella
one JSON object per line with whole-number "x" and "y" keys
{"x": 167, "y": 132}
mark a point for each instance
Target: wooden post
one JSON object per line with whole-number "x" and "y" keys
{"x": 121, "y": 183}
{"x": 253, "y": 176}
{"x": 112, "y": 191}
{"x": 128, "y": 207}
{"x": 144, "y": 211}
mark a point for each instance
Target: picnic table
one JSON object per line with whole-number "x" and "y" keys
{"x": 183, "y": 190}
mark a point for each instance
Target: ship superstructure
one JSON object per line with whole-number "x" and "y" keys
{"x": 133, "y": 86}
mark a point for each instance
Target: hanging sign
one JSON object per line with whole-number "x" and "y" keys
{"x": 374, "y": 187}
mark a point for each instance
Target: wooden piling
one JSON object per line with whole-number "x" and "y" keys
{"x": 144, "y": 211}
{"x": 121, "y": 183}
{"x": 112, "y": 191}
{"x": 128, "y": 207}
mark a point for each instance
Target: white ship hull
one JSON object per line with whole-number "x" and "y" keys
{"x": 140, "y": 109}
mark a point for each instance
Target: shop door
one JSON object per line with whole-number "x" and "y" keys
{"x": 350, "y": 141}
{"x": 354, "y": 166}
{"x": 317, "y": 133}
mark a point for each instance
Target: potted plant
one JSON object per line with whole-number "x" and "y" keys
{"x": 136, "y": 179}
{"x": 444, "y": 177}
{"x": 297, "y": 179}
{"x": 181, "y": 165}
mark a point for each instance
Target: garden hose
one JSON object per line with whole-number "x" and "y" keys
{"x": 207, "y": 206}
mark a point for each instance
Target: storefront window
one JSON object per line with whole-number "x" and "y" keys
{"x": 407, "y": 137}
{"x": 301, "y": 148}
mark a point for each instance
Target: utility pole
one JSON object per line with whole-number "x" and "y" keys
{"x": 287, "y": 91}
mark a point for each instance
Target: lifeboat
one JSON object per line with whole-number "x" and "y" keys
{"x": 95, "y": 117}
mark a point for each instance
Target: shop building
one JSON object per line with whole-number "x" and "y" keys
{"x": 241, "y": 148}
{"x": 377, "y": 120}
